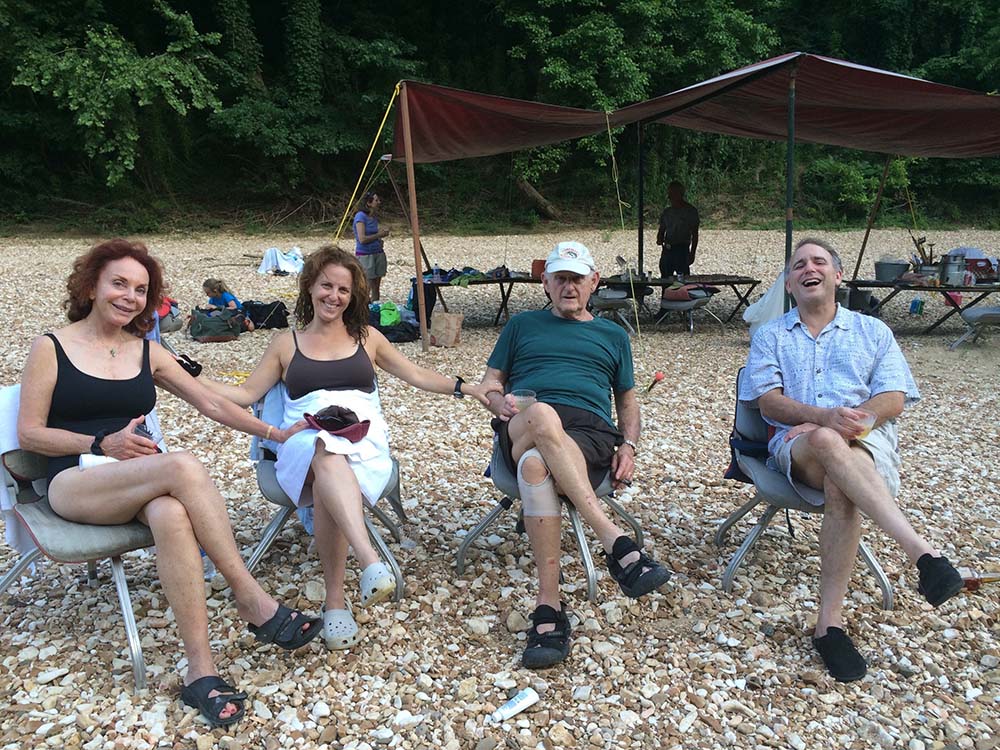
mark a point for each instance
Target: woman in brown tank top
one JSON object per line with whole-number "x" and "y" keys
{"x": 83, "y": 379}
{"x": 332, "y": 314}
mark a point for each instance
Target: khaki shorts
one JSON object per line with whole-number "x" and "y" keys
{"x": 881, "y": 443}
{"x": 373, "y": 264}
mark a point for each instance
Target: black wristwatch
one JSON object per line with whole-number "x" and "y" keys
{"x": 95, "y": 447}
{"x": 458, "y": 388}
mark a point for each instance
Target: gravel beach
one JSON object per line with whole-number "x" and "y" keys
{"x": 689, "y": 667}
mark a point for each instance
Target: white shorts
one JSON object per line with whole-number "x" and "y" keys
{"x": 881, "y": 443}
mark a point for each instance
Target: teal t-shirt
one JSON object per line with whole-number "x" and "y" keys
{"x": 571, "y": 362}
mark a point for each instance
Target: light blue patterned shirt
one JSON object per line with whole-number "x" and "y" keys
{"x": 854, "y": 358}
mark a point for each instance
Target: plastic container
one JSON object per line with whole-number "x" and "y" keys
{"x": 889, "y": 270}
{"x": 524, "y": 699}
{"x": 953, "y": 270}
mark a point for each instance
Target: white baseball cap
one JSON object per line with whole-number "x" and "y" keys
{"x": 570, "y": 256}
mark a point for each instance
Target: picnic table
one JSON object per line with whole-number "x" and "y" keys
{"x": 742, "y": 286}
{"x": 505, "y": 284}
{"x": 981, "y": 292}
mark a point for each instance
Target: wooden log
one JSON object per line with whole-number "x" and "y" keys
{"x": 538, "y": 200}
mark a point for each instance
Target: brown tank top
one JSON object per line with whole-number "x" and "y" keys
{"x": 305, "y": 375}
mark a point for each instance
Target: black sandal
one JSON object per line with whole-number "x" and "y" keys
{"x": 285, "y": 629}
{"x": 195, "y": 695}
{"x": 840, "y": 656}
{"x": 547, "y": 649}
{"x": 640, "y": 577}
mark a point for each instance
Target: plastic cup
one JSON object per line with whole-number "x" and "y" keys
{"x": 868, "y": 420}
{"x": 523, "y": 398}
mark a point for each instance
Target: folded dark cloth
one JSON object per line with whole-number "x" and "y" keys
{"x": 339, "y": 421}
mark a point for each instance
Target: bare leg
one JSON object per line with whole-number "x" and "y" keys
{"x": 375, "y": 287}
{"x": 178, "y": 561}
{"x": 545, "y": 535}
{"x": 823, "y": 454}
{"x": 116, "y": 493}
{"x": 838, "y": 548}
{"x": 332, "y": 547}
{"x": 539, "y": 427}
{"x": 336, "y": 489}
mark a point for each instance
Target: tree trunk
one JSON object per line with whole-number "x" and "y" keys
{"x": 545, "y": 208}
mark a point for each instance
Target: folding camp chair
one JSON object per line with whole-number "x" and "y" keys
{"x": 688, "y": 306}
{"x": 977, "y": 320}
{"x": 506, "y": 482}
{"x": 614, "y": 306}
{"x": 749, "y": 447}
{"x": 67, "y": 542}
{"x": 267, "y": 480}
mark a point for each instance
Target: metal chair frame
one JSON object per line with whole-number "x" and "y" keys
{"x": 507, "y": 484}
{"x": 272, "y": 492}
{"x": 774, "y": 489}
{"x": 44, "y": 525}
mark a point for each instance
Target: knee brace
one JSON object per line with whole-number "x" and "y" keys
{"x": 537, "y": 500}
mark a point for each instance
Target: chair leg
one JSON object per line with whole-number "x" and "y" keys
{"x": 972, "y": 332}
{"x": 627, "y": 517}
{"x": 131, "y": 631}
{"x": 387, "y": 557}
{"x": 91, "y": 572}
{"x": 393, "y": 496}
{"x": 722, "y": 326}
{"x": 626, "y": 324}
{"x": 23, "y": 562}
{"x": 690, "y": 321}
{"x": 585, "y": 557}
{"x": 387, "y": 522}
{"x": 880, "y": 577}
{"x": 479, "y": 528}
{"x": 748, "y": 543}
{"x": 267, "y": 538}
{"x": 720, "y": 534}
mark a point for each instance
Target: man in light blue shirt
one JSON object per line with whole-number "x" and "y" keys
{"x": 831, "y": 383}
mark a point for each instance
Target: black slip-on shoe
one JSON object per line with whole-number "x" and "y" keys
{"x": 939, "y": 580}
{"x": 841, "y": 658}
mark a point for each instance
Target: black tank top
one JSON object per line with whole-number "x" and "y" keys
{"x": 305, "y": 375}
{"x": 86, "y": 404}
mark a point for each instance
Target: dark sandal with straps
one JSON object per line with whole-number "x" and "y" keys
{"x": 547, "y": 649}
{"x": 285, "y": 629}
{"x": 640, "y": 577}
{"x": 195, "y": 695}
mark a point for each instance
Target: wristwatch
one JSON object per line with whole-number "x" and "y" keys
{"x": 633, "y": 446}
{"x": 95, "y": 447}
{"x": 458, "y": 388}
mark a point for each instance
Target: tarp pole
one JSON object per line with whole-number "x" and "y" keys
{"x": 411, "y": 184}
{"x": 406, "y": 215}
{"x": 790, "y": 175}
{"x": 642, "y": 196}
{"x": 871, "y": 216}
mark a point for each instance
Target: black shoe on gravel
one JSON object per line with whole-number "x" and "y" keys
{"x": 640, "y": 577}
{"x": 547, "y": 649}
{"x": 939, "y": 580}
{"x": 841, "y": 658}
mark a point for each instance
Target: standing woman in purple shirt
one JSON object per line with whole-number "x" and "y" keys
{"x": 368, "y": 241}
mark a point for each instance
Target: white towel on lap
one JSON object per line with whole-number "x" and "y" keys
{"x": 368, "y": 458}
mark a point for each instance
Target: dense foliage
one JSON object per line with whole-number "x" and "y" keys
{"x": 129, "y": 111}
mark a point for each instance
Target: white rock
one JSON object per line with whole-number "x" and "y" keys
{"x": 582, "y": 693}
{"x": 314, "y": 590}
{"x": 51, "y": 674}
{"x": 320, "y": 710}
{"x": 383, "y": 736}
{"x": 404, "y": 719}
{"x": 989, "y": 661}
{"x": 602, "y": 648}
{"x": 261, "y": 709}
{"x": 687, "y": 722}
{"x": 477, "y": 625}
{"x": 796, "y": 742}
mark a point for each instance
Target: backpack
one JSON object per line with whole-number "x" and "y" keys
{"x": 215, "y": 325}
{"x": 266, "y": 314}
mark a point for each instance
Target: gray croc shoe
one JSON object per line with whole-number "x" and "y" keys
{"x": 340, "y": 631}
{"x": 377, "y": 584}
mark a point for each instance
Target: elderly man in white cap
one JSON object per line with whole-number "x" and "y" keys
{"x": 566, "y": 442}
